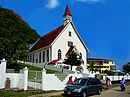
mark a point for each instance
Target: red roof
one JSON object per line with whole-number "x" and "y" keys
{"x": 70, "y": 50}
{"x": 53, "y": 62}
{"x": 47, "y": 39}
{"x": 67, "y": 11}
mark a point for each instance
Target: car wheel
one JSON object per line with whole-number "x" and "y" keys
{"x": 99, "y": 91}
{"x": 84, "y": 94}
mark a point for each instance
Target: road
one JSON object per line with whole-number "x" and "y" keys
{"x": 115, "y": 92}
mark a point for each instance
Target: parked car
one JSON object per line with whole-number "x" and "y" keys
{"x": 84, "y": 87}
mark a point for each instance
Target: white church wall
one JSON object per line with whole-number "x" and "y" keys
{"x": 62, "y": 43}
{"x": 36, "y": 56}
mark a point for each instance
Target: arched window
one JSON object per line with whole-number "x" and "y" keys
{"x": 43, "y": 56}
{"x": 59, "y": 54}
{"x": 36, "y": 59}
{"x": 40, "y": 57}
{"x": 33, "y": 58}
{"x": 80, "y": 57}
{"x": 30, "y": 58}
{"x": 47, "y": 55}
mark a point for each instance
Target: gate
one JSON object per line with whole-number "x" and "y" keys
{"x": 34, "y": 80}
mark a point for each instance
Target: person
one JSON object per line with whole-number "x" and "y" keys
{"x": 75, "y": 78}
{"x": 108, "y": 83}
{"x": 122, "y": 84}
{"x": 70, "y": 80}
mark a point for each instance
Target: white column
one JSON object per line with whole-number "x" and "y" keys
{"x": 2, "y": 73}
{"x": 43, "y": 77}
{"x": 25, "y": 79}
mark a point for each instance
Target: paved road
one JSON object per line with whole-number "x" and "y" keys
{"x": 115, "y": 92}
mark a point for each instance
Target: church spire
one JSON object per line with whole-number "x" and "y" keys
{"x": 67, "y": 15}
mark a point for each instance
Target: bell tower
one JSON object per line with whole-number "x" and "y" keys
{"x": 67, "y": 15}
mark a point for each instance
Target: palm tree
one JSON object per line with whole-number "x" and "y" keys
{"x": 91, "y": 66}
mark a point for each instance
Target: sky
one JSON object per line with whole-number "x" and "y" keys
{"x": 103, "y": 25}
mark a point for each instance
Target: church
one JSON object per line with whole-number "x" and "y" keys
{"x": 58, "y": 43}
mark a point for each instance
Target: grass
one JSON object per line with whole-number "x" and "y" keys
{"x": 20, "y": 93}
{"x": 11, "y": 93}
{"x": 17, "y": 68}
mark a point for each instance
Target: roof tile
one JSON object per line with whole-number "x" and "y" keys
{"x": 47, "y": 39}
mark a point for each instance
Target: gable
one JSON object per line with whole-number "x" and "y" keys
{"x": 51, "y": 37}
{"x": 47, "y": 39}
{"x": 79, "y": 36}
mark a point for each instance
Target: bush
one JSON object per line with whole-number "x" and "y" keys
{"x": 79, "y": 68}
{"x": 111, "y": 73}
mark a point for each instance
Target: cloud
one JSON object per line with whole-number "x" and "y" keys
{"x": 50, "y": 4}
{"x": 90, "y": 1}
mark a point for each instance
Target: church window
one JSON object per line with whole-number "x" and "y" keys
{"x": 70, "y": 43}
{"x": 40, "y": 57}
{"x": 70, "y": 34}
{"x": 47, "y": 55}
{"x": 30, "y": 58}
{"x": 43, "y": 56}
{"x": 36, "y": 59}
{"x": 33, "y": 58}
{"x": 59, "y": 54}
{"x": 80, "y": 57}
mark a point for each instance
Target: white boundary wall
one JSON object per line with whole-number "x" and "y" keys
{"x": 2, "y": 73}
{"x": 51, "y": 82}
{"x": 17, "y": 80}
{"x": 116, "y": 78}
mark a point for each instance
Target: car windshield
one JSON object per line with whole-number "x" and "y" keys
{"x": 80, "y": 81}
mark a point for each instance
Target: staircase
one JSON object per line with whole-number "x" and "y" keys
{"x": 61, "y": 76}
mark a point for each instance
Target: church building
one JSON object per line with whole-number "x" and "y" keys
{"x": 58, "y": 43}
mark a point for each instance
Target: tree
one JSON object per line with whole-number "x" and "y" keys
{"x": 126, "y": 67}
{"x": 91, "y": 66}
{"x": 72, "y": 60}
{"x": 15, "y": 36}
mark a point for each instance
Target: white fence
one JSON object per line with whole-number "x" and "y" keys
{"x": 51, "y": 82}
{"x": 117, "y": 78}
{"x": 15, "y": 80}
{"x": 48, "y": 81}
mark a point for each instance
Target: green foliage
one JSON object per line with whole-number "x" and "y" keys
{"x": 110, "y": 73}
{"x": 119, "y": 73}
{"x": 106, "y": 71}
{"x": 126, "y": 67}
{"x": 18, "y": 66}
{"x": 15, "y": 36}
{"x": 92, "y": 66}
{"x": 79, "y": 68}
{"x": 72, "y": 60}
{"x": 9, "y": 93}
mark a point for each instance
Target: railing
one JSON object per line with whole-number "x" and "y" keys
{"x": 117, "y": 78}
{"x": 9, "y": 70}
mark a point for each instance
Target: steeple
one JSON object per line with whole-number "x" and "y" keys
{"x": 67, "y": 15}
